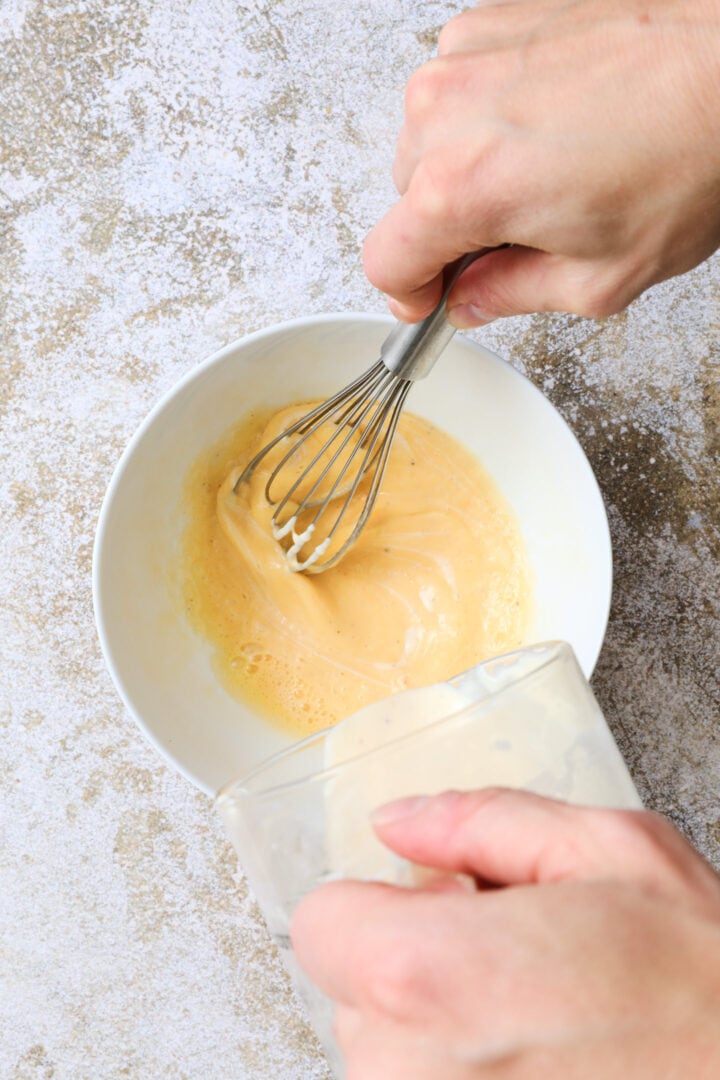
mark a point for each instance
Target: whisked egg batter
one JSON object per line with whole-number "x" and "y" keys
{"x": 437, "y": 581}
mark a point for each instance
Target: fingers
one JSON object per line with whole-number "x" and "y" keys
{"x": 449, "y": 103}
{"x": 404, "y": 956}
{"x": 448, "y": 176}
{"x": 407, "y": 251}
{"x": 499, "y": 836}
{"x": 487, "y": 26}
{"x": 446, "y": 984}
{"x": 513, "y": 837}
{"x": 405, "y": 254}
{"x": 514, "y": 281}
{"x": 347, "y": 932}
{"x": 520, "y": 280}
{"x": 502, "y": 836}
{"x": 491, "y": 970}
{"x": 536, "y": 126}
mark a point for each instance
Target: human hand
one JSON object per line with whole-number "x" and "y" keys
{"x": 585, "y": 134}
{"x": 599, "y": 959}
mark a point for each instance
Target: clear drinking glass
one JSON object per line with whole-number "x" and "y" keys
{"x": 524, "y": 720}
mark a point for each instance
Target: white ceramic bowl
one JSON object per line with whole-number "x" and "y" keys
{"x": 163, "y": 670}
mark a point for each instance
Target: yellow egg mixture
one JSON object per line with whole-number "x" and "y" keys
{"x": 437, "y": 581}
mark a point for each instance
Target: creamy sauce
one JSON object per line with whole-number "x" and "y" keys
{"x": 437, "y": 582}
{"x": 541, "y": 733}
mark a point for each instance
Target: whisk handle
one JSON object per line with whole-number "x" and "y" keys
{"x": 411, "y": 350}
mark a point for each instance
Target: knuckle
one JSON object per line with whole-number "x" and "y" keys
{"x": 433, "y": 190}
{"x": 423, "y": 89}
{"x": 592, "y": 303}
{"x": 594, "y": 300}
{"x": 453, "y": 35}
{"x": 615, "y": 826}
{"x": 601, "y": 289}
{"x": 671, "y": 861}
{"x": 375, "y": 265}
{"x": 398, "y": 176}
{"x": 397, "y": 982}
{"x": 602, "y": 305}
{"x": 656, "y": 835}
{"x": 648, "y": 838}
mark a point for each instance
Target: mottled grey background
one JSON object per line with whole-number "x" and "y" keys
{"x": 174, "y": 174}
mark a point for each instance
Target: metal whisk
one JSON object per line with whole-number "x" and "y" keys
{"x": 361, "y": 421}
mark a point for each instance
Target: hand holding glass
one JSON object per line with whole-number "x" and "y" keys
{"x": 525, "y": 720}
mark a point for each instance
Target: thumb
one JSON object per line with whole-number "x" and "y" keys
{"x": 508, "y": 837}
{"x": 520, "y": 281}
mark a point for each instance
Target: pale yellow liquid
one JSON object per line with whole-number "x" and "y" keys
{"x": 437, "y": 582}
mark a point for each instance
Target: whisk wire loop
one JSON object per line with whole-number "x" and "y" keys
{"x": 384, "y": 403}
{"x": 346, "y": 423}
{"x": 369, "y": 440}
{"x": 319, "y": 413}
{"x": 367, "y": 411}
{"x": 399, "y": 393}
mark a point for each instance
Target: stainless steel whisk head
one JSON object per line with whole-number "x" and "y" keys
{"x": 361, "y": 421}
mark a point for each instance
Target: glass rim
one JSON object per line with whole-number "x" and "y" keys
{"x": 238, "y": 787}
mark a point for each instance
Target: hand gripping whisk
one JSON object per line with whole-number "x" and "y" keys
{"x": 334, "y": 493}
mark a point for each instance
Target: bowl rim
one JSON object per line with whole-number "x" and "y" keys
{"x": 548, "y": 653}
{"x": 195, "y": 372}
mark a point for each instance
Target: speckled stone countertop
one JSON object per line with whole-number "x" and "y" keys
{"x": 173, "y": 175}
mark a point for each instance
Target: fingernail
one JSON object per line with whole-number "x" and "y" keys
{"x": 438, "y": 881}
{"x": 398, "y": 810}
{"x": 465, "y": 316}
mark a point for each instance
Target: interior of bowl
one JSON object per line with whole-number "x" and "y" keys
{"x": 164, "y": 671}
